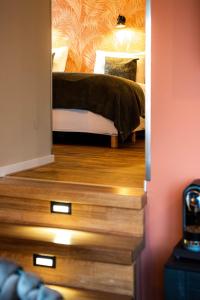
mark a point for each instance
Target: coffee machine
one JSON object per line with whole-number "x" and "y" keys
{"x": 191, "y": 216}
{"x": 182, "y": 270}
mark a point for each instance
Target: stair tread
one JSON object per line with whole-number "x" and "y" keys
{"x": 78, "y": 294}
{"x": 58, "y": 240}
{"x": 132, "y": 198}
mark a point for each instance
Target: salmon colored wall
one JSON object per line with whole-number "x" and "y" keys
{"x": 175, "y": 131}
{"x": 88, "y": 25}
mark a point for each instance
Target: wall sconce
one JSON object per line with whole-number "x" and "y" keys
{"x": 121, "y": 22}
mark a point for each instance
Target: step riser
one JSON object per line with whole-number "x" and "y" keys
{"x": 83, "y": 217}
{"x": 98, "y": 276}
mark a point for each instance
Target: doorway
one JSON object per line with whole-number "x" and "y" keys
{"x": 65, "y": 35}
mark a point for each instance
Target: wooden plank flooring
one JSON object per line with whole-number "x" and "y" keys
{"x": 123, "y": 167}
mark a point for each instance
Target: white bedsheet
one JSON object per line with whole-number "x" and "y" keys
{"x": 77, "y": 120}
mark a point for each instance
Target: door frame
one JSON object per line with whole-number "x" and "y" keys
{"x": 148, "y": 90}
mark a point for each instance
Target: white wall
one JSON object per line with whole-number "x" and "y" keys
{"x": 25, "y": 80}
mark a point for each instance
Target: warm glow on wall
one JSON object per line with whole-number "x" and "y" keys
{"x": 58, "y": 39}
{"x": 124, "y": 36}
{"x": 124, "y": 40}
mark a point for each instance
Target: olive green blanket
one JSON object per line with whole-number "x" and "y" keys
{"x": 115, "y": 98}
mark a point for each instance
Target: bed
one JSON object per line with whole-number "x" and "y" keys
{"x": 100, "y": 103}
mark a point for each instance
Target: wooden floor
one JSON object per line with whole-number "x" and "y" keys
{"x": 96, "y": 247}
{"x": 123, "y": 167}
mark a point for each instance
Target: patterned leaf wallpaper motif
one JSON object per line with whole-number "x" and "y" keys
{"x": 87, "y": 25}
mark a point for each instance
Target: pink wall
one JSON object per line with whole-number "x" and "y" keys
{"x": 175, "y": 130}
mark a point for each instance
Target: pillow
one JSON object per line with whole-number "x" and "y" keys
{"x": 101, "y": 57}
{"x": 122, "y": 67}
{"x": 59, "y": 59}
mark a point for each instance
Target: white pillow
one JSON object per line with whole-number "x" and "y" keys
{"x": 142, "y": 85}
{"x": 99, "y": 66}
{"x": 59, "y": 59}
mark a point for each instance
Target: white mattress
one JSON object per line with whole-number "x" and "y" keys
{"x": 76, "y": 120}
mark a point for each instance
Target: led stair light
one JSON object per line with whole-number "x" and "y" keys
{"x": 44, "y": 260}
{"x": 61, "y": 207}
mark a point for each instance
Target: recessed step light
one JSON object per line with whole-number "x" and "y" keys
{"x": 61, "y": 207}
{"x": 44, "y": 260}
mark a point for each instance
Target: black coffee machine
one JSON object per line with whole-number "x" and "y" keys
{"x": 182, "y": 270}
{"x": 191, "y": 216}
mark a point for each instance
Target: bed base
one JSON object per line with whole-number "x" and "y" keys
{"x": 133, "y": 137}
{"x": 114, "y": 143}
{"x": 65, "y": 120}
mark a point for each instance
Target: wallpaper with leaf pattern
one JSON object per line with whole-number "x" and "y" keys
{"x": 87, "y": 25}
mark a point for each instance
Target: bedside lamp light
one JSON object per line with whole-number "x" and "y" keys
{"x": 121, "y": 22}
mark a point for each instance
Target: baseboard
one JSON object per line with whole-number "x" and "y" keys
{"x": 28, "y": 164}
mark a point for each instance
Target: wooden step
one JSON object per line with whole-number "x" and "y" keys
{"x": 131, "y": 198}
{"x": 77, "y": 294}
{"x": 93, "y": 208}
{"x": 83, "y": 260}
{"x": 75, "y": 244}
{"x": 83, "y": 217}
